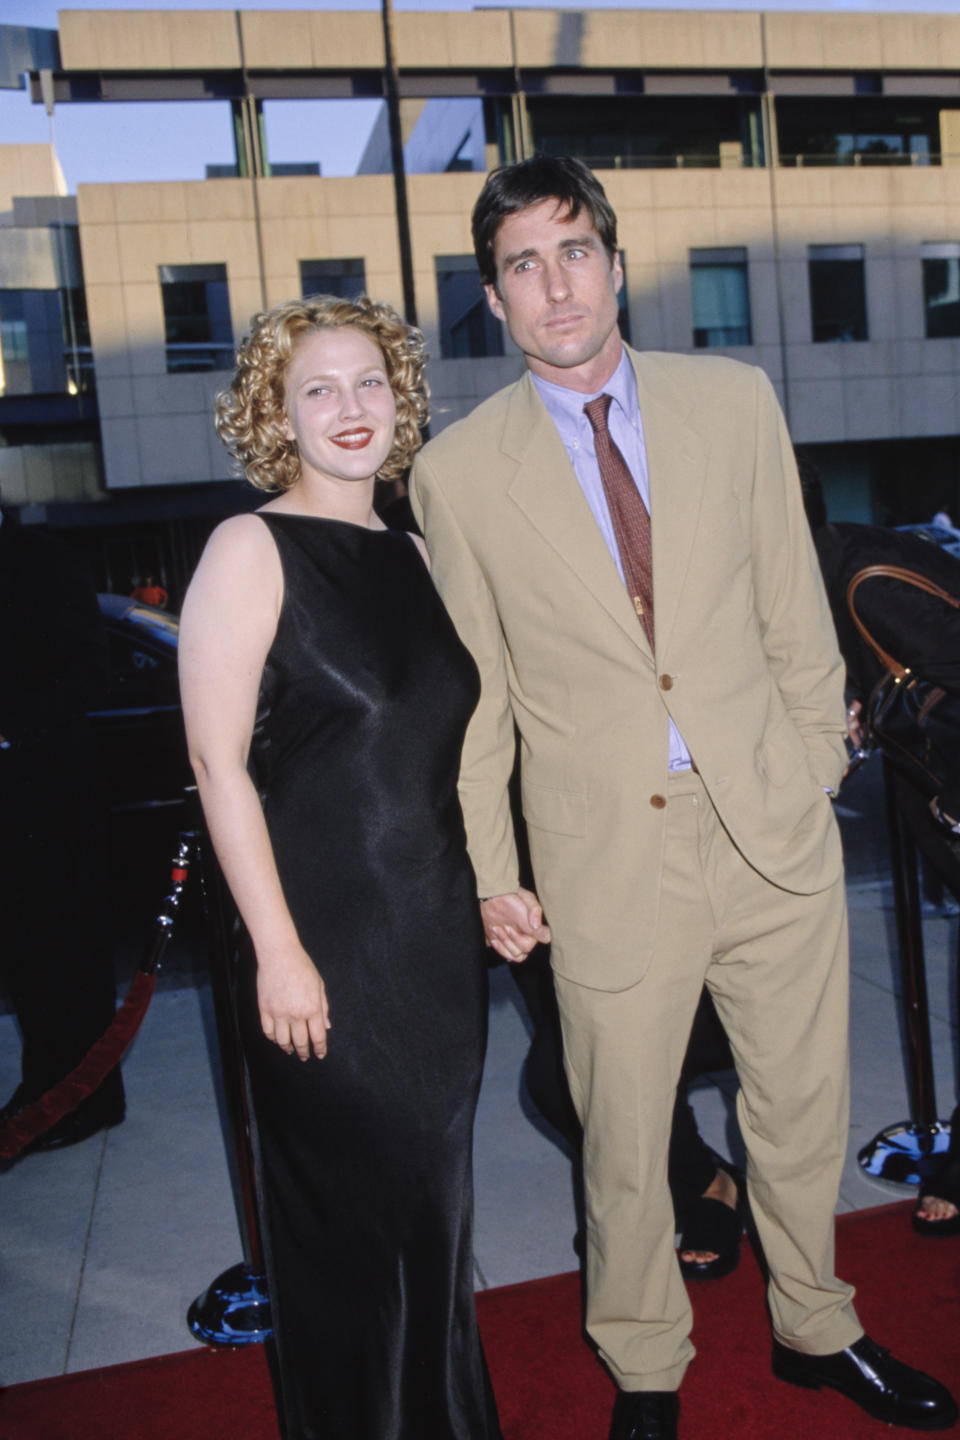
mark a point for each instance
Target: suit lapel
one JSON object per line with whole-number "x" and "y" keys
{"x": 677, "y": 458}
{"x": 546, "y": 489}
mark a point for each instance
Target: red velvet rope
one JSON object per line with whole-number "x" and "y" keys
{"x": 104, "y": 1054}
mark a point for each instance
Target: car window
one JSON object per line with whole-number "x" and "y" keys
{"x": 140, "y": 674}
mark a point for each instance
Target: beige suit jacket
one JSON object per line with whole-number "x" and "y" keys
{"x": 746, "y": 657}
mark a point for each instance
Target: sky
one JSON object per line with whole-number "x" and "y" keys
{"x": 175, "y": 142}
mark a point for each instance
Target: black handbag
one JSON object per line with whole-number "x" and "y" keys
{"x": 914, "y": 722}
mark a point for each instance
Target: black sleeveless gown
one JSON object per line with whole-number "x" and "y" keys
{"x": 364, "y": 1158}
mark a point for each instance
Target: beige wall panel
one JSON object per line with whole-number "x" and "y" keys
{"x": 100, "y": 248}
{"x": 882, "y": 276}
{"x": 643, "y": 38}
{"x": 13, "y": 479}
{"x": 386, "y": 285}
{"x": 453, "y": 39}
{"x": 764, "y": 312}
{"x": 676, "y": 231}
{"x": 218, "y": 200}
{"x": 287, "y": 242}
{"x": 277, "y": 39}
{"x": 294, "y": 195}
{"x": 801, "y": 187}
{"x": 938, "y": 357}
{"x": 323, "y": 40}
{"x": 95, "y": 204}
{"x": 28, "y": 170}
{"x": 439, "y": 235}
{"x": 748, "y": 188}
{"x": 115, "y": 396}
{"x": 356, "y": 195}
{"x": 676, "y": 306}
{"x": 818, "y": 41}
{"x": 145, "y": 329}
{"x": 148, "y": 39}
{"x": 173, "y": 452}
{"x": 770, "y": 360}
{"x": 663, "y": 37}
{"x": 682, "y": 189}
{"x": 629, "y": 189}
{"x": 806, "y": 361}
{"x": 909, "y": 357}
{"x": 230, "y": 242}
{"x": 920, "y": 42}
{"x": 121, "y": 453}
{"x": 799, "y": 227}
{"x": 637, "y": 239}
{"x": 375, "y": 239}
{"x": 453, "y": 194}
{"x": 795, "y": 297}
{"x": 284, "y": 285}
{"x": 220, "y": 463}
{"x": 176, "y": 395}
{"x": 744, "y": 227}
{"x": 144, "y": 247}
{"x": 339, "y": 37}
{"x": 816, "y": 411}
{"x": 924, "y": 222}
{"x": 108, "y": 329}
{"x": 246, "y": 301}
{"x": 941, "y": 405}
{"x": 148, "y": 202}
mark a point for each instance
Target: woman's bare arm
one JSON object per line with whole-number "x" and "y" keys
{"x": 227, "y": 626}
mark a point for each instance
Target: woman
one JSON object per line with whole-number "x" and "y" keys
{"x": 325, "y": 696}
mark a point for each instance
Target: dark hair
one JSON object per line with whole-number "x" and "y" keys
{"x": 546, "y": 177}
{"x": 812, "y": 488}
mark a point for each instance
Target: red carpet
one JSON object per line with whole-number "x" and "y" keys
{"x": 549, "y": 1386}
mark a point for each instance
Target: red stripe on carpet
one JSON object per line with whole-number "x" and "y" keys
{"x": 548, "y": 1384}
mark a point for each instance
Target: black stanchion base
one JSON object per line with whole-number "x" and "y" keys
{"x": 233, "y": 1310}
{"x": 905, "y": 1153}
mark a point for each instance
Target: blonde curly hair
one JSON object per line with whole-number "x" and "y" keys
{"x": 251, "y": 414}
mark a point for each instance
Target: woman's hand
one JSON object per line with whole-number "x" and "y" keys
{"x": 293, "y": 1003}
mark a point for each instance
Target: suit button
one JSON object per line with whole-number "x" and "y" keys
{"x": 658, "y": 801}
{"x": 666, "y": 682}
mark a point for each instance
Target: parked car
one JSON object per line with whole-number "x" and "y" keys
{"x": 140, "y": 722}
{"x": 944, "y": 535}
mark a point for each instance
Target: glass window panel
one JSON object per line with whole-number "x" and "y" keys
{"x": 838, "y": 297}
{"x": 720, "y": 297}
{"x": 467, "y": 326}
{"x": 941, "y": 293}
{"x": 196, "y": 310}
{"x": 347, "y": 279}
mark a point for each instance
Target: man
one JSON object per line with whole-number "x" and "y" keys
{"x": 680, "y": 736}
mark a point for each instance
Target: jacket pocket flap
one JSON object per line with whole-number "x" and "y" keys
{"x": 562, "y": 811}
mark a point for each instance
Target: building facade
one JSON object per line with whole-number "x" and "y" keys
{"x": 788, "y": 188}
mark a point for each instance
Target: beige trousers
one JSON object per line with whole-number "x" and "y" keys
{"x": 777, "y": 967}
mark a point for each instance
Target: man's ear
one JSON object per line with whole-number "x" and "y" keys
{"x": 617, "y": 269}
{"x": 494, "y": 301}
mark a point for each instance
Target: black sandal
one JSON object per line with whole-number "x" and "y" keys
{"x": 715, "y": 1226}
{"x": 943, "y": 1184}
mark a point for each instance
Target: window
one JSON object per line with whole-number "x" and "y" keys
{"x": 467, "y": 327}
{"x": 347, "y": 279}
{"x": 721, "y": 299}
{"x": 196, "y": 312}
{"x": 941, "y": 290}
{"x": 838, "y": 297}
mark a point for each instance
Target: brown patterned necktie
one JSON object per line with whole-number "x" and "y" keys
{"x": 631, "y": 520}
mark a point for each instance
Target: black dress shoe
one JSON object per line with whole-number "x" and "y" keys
{"x": 645, "y": 1415}
{"x": 870, "y": 1377}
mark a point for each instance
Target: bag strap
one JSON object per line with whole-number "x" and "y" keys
{"x": 908, "y": 577}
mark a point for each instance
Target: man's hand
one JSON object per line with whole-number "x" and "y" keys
{"x": 513, "y": 924}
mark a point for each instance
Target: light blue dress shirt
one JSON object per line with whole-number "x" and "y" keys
{"x": 565, "y": 408}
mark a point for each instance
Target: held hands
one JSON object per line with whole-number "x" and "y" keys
{"x": 513, "y": 924}
{"x": 293, "y": 1003}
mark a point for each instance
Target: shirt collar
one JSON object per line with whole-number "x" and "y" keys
{"x": 566, "y": 406}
